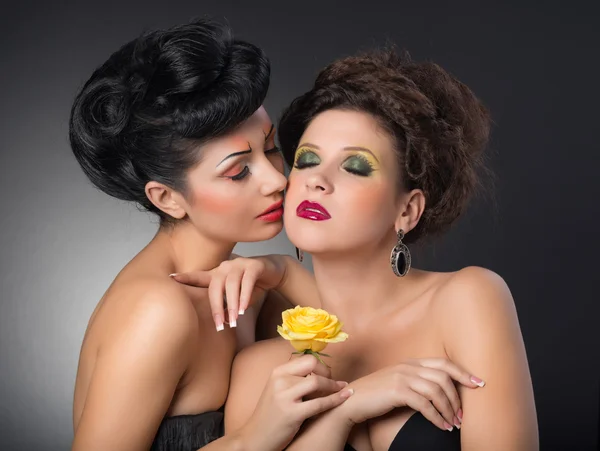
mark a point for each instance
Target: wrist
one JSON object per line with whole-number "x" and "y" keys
{"x": 252, "y": 437}
{"x": 277, "y": 266}
{"x": 273, "y": 273}
{"x": 339, "y": 418}
{"x": 344, "y": 414}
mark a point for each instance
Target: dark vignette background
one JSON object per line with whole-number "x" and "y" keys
{"x": 536, "y": 67}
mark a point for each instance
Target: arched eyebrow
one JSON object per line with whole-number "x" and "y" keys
{"x": 361, "y": 149}
{"x": 348, "y": 148}
{"x": 314, "y": 146}
{"x": 235, "y": 154}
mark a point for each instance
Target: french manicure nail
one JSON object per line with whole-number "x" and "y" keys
{"x": 448, "y": 427}
{"x": 459, "y": 415}
{"x": 232, "y": 319}
{"x": 241, "y": 311}
{"x": 456, "y": 423}
{"x": 219, "y": 322}
{"x": 342, "y": 384}
{"x": 347, "y": 393}
{"x": 173, "y": 275}
{"x": 477, "y": 381}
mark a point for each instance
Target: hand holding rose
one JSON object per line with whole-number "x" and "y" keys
{"x": 296, "y": 391}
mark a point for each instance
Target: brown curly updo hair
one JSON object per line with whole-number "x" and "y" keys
{"x": 439, "y": 126}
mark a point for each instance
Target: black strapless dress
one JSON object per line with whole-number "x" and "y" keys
{"x": 419, "y": 434}
{"x": 188, "y": 432}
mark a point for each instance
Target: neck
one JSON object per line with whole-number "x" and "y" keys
{"x": 190, "y": 250}
{"x": 358, "y": 286}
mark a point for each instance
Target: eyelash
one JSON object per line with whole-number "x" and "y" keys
{"x": 241, "y": 175}
{"x": 350, "y": 170}
{"x": 364, "y": 160}
{"x": 246, "y": 171}
{"x": 303, "y": 165}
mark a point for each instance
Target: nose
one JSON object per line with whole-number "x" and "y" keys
{"x": 274, "y": 181}
{"x": 318, "y": 182}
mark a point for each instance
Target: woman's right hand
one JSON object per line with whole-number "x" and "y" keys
{"x": 296, "y": 391}
{"x": 230, "y": 285}
{"x": 424, "y": 385}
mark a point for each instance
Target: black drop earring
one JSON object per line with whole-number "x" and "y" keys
{"x": 400, "y": 257}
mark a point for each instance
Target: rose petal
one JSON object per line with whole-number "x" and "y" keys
{"x": 301, "y": 335}
{"x": 309, "y": 328}
{"x": 301, "y": 345}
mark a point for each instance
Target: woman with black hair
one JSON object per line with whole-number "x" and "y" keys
{"x": 174, "y": 122}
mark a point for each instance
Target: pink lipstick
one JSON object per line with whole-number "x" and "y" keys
{"x": 312, "y": 211}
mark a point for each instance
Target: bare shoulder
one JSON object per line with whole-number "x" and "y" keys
{"x": 474, "y": 303}
{"x": 147, "y": 306}
{"x": 138, "y": 351}
{"x": 473, "y": 288}
{"x": 481, "y": 334}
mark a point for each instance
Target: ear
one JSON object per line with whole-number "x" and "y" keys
{"x": 166, "y": 199}
{"x": 411, "y": 209}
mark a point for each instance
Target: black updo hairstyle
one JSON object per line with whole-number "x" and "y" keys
{"x": 143, "y": 113}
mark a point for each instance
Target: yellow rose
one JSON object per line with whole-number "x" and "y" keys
{"x": 310, "y": 329}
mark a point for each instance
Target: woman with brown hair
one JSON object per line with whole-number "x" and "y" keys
{"x": 384, "y": 152}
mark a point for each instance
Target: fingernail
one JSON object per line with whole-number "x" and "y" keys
{"x": 456, "y": 423}
{"x": 219, "y": 322}
{"x": 448, "y": 427}
{"x": 241, "y": 311}
{"x": 477, "y": 381}
{"x": 459, "y": 415}
{"x": 232, "y": 319}
{"x": 342, "y": 384}
{"x": 345, "y": 394}
{"x": 173, "y": 275}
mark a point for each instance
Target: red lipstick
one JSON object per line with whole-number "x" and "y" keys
{"x": 273, "y": 213}
{"x": 312, "y": 211}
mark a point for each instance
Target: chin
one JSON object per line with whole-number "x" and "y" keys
{"x": 310, "y": 241}
{"x": 263, "y": 232}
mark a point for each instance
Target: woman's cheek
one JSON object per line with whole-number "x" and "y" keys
{"x": 293, "y": 185}
{"x": 214, "y": 202}
{"x": 366, "y": 200}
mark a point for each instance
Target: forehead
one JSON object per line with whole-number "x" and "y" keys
{"x": 341, "y": 128}
{"x": 259, "y": 120}
{"x": 252, "y": 131}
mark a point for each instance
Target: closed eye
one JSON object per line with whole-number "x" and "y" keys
{"x": 358, "y": 165}
{"x": 241, "y": 175}
{"x": 306, "y": 158}
{"x": 237, "y": 172}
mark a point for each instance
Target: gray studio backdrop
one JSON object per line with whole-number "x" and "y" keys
{"x": 62, "y": 242}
